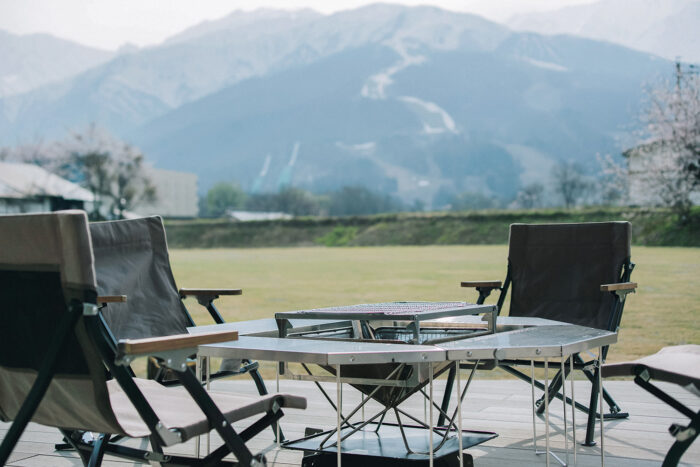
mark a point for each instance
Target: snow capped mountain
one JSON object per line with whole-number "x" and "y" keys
{"x": 412, "y": 101}
{"x": 666, "y": 28}
{"x": 30, "y": 61}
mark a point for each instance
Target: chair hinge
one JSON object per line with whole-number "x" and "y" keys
{"x": 682, "y": 433}
{"x": 169, "y": 436}
{"x": 90, "y": 309}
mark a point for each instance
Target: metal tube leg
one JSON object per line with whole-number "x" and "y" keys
{"x": 340, "y": 405}
{"x": 198, "y": 369}
{"x": 546, "y": 409}
{"x": 600, "y": 396}
{"x": 430, "y": 376}
{"x": 207, "y": 367}
{"x": 459, "y": 418}
{"x": 573, "y": 404}
{"x": 563, "y": 393}
{"x": 532, "y": 391}
{"x": 277, "y": 427}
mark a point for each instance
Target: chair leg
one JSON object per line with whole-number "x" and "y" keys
{"x": 262, "y": 390}
{"x": 98, "y": 450}
{"x": 684, "y": 438}
{"x": 444, "y": 407}
{"x": 228, "y": 434}
{"x": 41, "y": 384}
{"x": 592, "y": 408}
{"x": 553, "y": 391}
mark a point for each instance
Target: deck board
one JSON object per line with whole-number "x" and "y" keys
{"x": 502, "y": 406}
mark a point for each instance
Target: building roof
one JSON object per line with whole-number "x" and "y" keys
{"x": 29, "y": 180}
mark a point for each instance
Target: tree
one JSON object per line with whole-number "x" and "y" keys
{"x": 290, "y": 200}
{"x": 668, "y": 161}
{"x": 111, "y": 169}
{"x": 570, "y": 183}
{"x": 222, "y": 197}
{"x": 358, "y": 200}
{"x": 474, "y": 201}
{"x": 530, "y": 196}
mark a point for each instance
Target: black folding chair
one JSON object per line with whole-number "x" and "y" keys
{"x": 574, "y": 273}
{"x": 56, "y": 352}
{"x": 680, "y": 365}
{"x": 132, "y": 260}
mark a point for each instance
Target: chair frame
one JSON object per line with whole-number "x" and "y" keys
{"x": 173, "y": 352}
{"x": 590, "y": 369}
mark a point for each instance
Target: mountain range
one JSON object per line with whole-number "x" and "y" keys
{"x": 411, "y": 101}
{"x": 667, "y": 28}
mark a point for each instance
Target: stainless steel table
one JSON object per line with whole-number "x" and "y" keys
{"x": 337, "y": 354}
{"x": 546, "y": 341}
{"x": 530, "y": 343}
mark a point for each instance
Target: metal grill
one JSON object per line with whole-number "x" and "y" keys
{"x": 391, "y": 308}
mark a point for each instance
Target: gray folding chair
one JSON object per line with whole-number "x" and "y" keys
{"x": 679, "y": 365}
{"x": 132, "y": 260}
{"x": 574, "y": 273}
{"x": 56, "y": 353}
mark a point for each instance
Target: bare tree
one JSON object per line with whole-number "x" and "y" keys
{"x": 111, "y": 169}
{"x": 530, "y": 196}
{"x": 668, "y": 162}
{"x": 570, "y": 183}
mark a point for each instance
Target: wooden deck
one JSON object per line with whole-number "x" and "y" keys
{"x": 502, "y": 406}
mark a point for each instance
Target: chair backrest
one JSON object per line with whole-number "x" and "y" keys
{"x": 131, "y": 258}
{"x": 557, "y": 270}
{"x": 46, "y": 269}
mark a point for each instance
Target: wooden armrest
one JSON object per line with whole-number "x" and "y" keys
{"x": 619, "y": 286}
{"x": 176, "y": 342}
{"x": 111, "y": 298}
{"x": 196, "y": 292}
{"x": 484, "y": 284}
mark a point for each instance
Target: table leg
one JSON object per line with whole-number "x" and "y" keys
{"x": 207, "y": 366}
{"x": 563, "y": 393}
{"x": 340, "y": 404}
{"x": 198, "y": 372}
{"x": 459, "y": 418}
{"x": 573, "y": 404}
{"x": 601, "y": 402}
{"x": 430, "y": 425}
{"x": 546, "y": 409}
{"x": 277, "y": 381}
{"x": 532, "y": 392}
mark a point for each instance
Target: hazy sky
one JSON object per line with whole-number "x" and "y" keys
{"x": 110, "y": 23}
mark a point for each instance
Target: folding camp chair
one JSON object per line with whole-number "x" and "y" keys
{"x": 55, "y": 350}
{"x": 131, "y": 259}
{"x": 574, "y": 273}
{"x": 680, "y": 365}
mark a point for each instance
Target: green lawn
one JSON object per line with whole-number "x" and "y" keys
{"x": 665, "y": 310}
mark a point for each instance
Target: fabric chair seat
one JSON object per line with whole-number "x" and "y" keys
{"x": 678, "y": 364}
{"x": 189, "y": 418}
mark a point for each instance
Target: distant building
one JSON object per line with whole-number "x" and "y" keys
{"x": 637, "y": 157}
{"x": 244, "y": 216}
{"x": 176, "y": 195}
{"x": 26, "y": 188}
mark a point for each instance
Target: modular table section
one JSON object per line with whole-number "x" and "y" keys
{"x": 528, "y": 343}
{"x": 322, "y": 352}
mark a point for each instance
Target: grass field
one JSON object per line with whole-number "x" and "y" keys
{"x": 664, "y": 311}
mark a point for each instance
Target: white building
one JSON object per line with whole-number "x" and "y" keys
{"x": 176, "y": 195}
{"x": 29, "y": 188}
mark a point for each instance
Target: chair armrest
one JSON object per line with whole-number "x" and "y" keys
{"x": 151, "y": 345}
{"x": 482, "y": 284}
{"x": 209, "y": 292}
{"x": 111, "y": 298}
{"x": 626, "y": 286}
